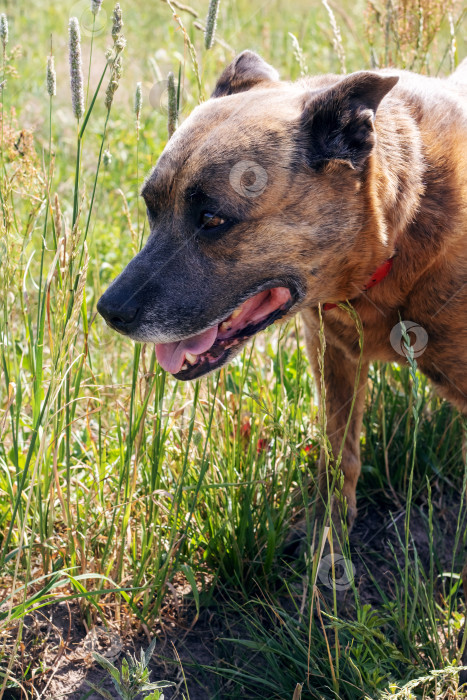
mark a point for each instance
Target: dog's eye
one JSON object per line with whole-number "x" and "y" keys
{"x": 211, "y": 227}
{"x": 210, "y": 221}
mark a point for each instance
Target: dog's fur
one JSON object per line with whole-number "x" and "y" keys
{"x": 359, "y": 169}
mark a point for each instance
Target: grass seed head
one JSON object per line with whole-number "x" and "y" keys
{"x": 116, "y": 65}
{"x": 4, "y": 30}
{"x": 138, "y": 100}
{"x": 120, "y": 44}
{"x": 95, "y": 6}
{"x": 172, "y": 121}
{"x": 211, "y": 22}
{"x": 76, "y": 68}
{"x": 51, "y": 77}
{"x": 117, "y": 70}
{"x": 117, "y": 22}
{"x": 337, "y": 37}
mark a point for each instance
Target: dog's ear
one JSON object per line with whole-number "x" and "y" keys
{"x": 246, "y": 71}
{"x": 338, "y": 123}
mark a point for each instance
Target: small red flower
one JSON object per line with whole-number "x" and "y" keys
{"x": 261, "y": 445}
{"x": 312, "y": 446}
{"x": 245, "y": 430}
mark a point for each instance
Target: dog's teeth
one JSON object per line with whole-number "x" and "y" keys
{"x": 237, "y": 312}
{"x": 226, "y": 326}
{"x": 191, "y": 358}
{"x": 184, "y": 366}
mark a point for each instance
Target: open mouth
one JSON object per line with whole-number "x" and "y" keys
{"x": 206, "y": 351}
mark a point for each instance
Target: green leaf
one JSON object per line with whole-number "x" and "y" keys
{"x": 157, "y": 685}
{"x": 125, "y": 671}
{"x": 149, "y": 652}
{"x": 192, "y": 581}
{"x": 105, "y": 663}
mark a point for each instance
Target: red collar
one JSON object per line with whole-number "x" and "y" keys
{"x": 378, "y": 276}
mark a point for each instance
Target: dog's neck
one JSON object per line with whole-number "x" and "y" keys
{"x": 413, "y": 178}
{"x": 393, "y": 187}
{"x": 398, "y": 169}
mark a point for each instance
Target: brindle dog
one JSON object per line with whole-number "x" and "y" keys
{"x": 276, "y": 197}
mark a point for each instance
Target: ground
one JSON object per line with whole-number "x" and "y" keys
{"x": 375, "y": 544}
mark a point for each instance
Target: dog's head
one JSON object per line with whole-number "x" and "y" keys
{"x": 255, "y": 208}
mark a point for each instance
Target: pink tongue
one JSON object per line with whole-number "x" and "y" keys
{"x": 256, "y": 309}
{"x": 171, "y": 356}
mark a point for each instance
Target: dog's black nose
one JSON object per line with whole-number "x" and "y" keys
{"x": 119, "y": 315}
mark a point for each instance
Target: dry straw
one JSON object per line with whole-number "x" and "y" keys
{"x": 76, "y": 68}
{"x": 337, "y": 37}
{"x": 298, "y": 54}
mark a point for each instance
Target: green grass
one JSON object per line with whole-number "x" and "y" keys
{"x": 119, "y": 484}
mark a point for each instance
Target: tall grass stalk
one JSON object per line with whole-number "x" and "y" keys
{"x": 416, "y": 406}
{"x": 191, "y": 49}
{"x": 138, "y": 107}
{"x": 337, "y": 36}
{"x": 4, "y": 36}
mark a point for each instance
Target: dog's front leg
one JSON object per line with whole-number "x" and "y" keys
{"x": 344, "y": 401}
